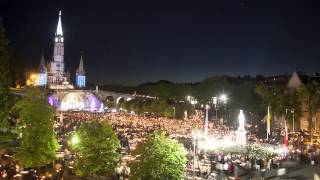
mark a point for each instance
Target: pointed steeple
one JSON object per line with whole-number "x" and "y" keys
{"x": 42, "y": 67}
{"x": 80, "y": 75}
{"x": 81, "y": 67}
{"x": 59, "y": 31}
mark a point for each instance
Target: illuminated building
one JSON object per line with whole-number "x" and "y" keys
{"x": 42, "y": 72}
{"x": 80, "y": 75}
{"x": 54, "y": 75}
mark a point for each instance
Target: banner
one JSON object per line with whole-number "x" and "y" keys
{"x": 285, "y": 140}
{"x": 268, "y": 123}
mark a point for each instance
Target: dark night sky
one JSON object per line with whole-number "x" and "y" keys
{"x": 129, "y": 42}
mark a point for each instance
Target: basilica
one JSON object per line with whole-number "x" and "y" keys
{"x": 53, "y": 75}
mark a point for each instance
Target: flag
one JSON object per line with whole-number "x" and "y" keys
{"x": 285, "y": 140}
{"x": 285, "y": 134}
{"x": 268, "y": 122}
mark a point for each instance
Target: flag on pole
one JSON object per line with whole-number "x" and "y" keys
{"x": 285, "y": 140}
{"x": 285, "y": 134}
{"x": 268, "y": 123}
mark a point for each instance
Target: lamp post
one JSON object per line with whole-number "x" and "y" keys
{"x": 223, "y": 99}
{"x": 292, "y": 112}
{"x": 75, "y": 139}
{"x": 206, "y": 124}
{"x": 215, "y": 102}
{"x": 292, "y": 119}
{"x": 194, "y": 155}
{"x": 195, "y": 134}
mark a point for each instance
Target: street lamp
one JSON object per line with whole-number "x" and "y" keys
{"x": 195, "y": 134}
{"x": 75, "y": 139}
{"x": 206, "y": 124}
{"x": 223, "y": 98}
{"x": 215, "y": 102}
{"x": 192, "y": 100}
{"x": 292, "y": 112}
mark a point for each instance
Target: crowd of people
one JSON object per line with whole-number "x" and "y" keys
{"x": 132, "y": 128}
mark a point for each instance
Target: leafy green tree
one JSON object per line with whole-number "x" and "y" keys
{"x": 95, "y": 149}
{"x": 272, "y": 95}
{"x": 4, "y": 77}
{"x": 165, "y": 90}
{"x": 280, "y": 99}
{"x": 159, "y": 158}
{"x": 180, "y": 108}
{"x": 310, "y": 95}
{"x": 38, "y": 140}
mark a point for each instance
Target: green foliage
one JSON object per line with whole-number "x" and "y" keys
{"x": 96, "y": 152}
{"x": 8, "y": 136}
{"x": 252, "y": 150}
{"x": 279, "y": 98}
{"x": 180, "y": 108}
{"x": 159, "y": 158}
{"x": 257, "y": 151}
{"x": 310, "y": 95}
{"x": 211, "y": 87}
{"x": 4, "y": 77}
{"x": 38, "y": 141}
{"x": 155, "y": 107}
{"x": 165, "y": 90}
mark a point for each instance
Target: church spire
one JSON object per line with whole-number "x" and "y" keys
{"x": 59, "y": 31}
{"x": 42, "y": 67}
{"x": 81, "y": 67}
{"x": 80, "y": 75}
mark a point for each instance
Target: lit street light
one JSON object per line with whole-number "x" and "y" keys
{"x": 292, "y": 112}
{"x": 75, "y": 139}
{"x": 207, "y": 107}
{"x": 215, "y": 102}
{"x": 195, "y": 134}
{"x": 223, "y": 98}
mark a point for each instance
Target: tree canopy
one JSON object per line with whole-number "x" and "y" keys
{"x": 95, "y": 148}
{"x": 279, "y": 97}
{"x": 310, "y": 95}
{"x": 158, "y": 107}
{"x": 38, "y": 140}
{"x": 4, "y": 77}
{"x": 159, "y": 158}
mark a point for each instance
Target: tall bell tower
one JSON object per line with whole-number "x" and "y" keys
{"x": 57, "y": 65}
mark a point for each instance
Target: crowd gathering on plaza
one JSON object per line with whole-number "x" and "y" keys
{"x": 132, "y": 129}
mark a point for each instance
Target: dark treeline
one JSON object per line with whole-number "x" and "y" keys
{"x": 240, "y": 91}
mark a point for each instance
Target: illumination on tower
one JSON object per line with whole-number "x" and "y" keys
{"x": 80, "y": 75}
{"x": 59, "y": 31}
{"x": 42, "y": 72}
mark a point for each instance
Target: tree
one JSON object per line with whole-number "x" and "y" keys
{"x": 159, "y": 158}
{"x": 38, "y": 141}
{"x": 280, "y": 99}
{"x": 272, "y": 95}
{"x": 4, "y": 77}
{"x": 95, "y": 150}
{"x": 310, "y": 94}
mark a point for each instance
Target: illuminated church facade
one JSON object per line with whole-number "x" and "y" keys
{"x": 54, "y": 75}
